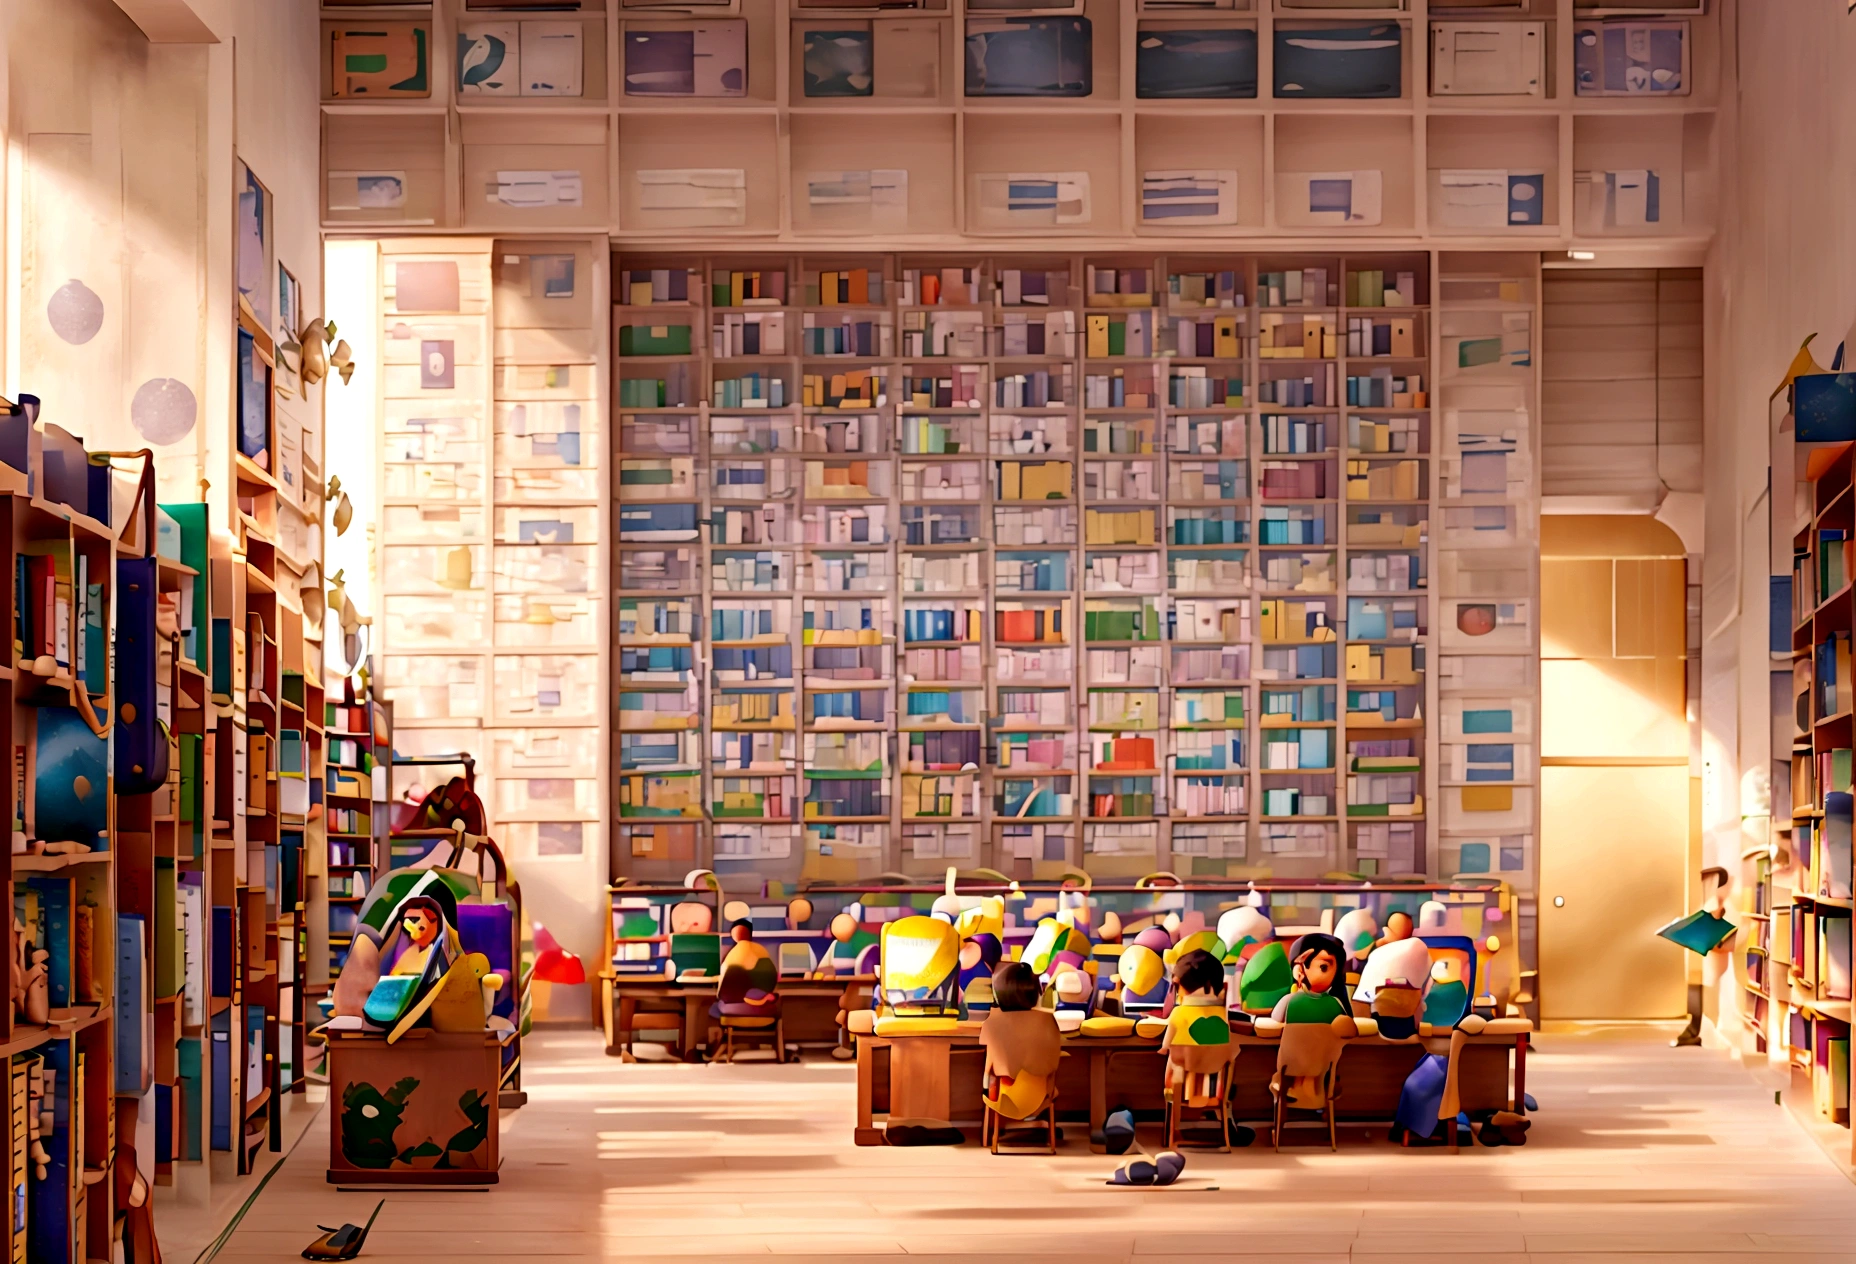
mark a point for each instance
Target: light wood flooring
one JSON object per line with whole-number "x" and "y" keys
{"x": 1639, "y": 1152}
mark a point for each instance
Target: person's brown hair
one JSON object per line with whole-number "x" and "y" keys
{"x": 1015, "y": 987}
{"x": 1198, "y": 971}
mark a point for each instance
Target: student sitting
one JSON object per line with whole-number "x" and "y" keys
{"x": 1022, "y": 1044}
{"x": 1197, "y": 1043}
{"x": 1319, "y": 966}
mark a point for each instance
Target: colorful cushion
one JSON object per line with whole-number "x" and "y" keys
{"x": 734, "y": 1020}
{"x": 1266, "y": 979}
{"x": 1150, "y": 1028}
{"x": 1106, "y": 1025}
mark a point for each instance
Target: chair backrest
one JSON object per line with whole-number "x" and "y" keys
{"x": 920, "y": 965}
{"x": 1453, "y": 957}
{"x": 1308, "y": 1049}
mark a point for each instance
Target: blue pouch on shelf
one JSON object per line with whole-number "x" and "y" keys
{"x": 1214, "y": 63}
{"x": 1354, "y": 62}
{"x": 1029, "y": 57}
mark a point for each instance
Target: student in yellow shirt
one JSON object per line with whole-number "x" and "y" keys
{"x": 1197, "y": 1043}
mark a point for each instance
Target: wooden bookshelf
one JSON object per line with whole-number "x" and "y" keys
{"x": 448, "y": 145}
{"x": 1122, "y": 603}
{"x": 1799, "y": 1003}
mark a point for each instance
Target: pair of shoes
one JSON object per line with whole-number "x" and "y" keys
{"x": 1504, "y": 1128}
{"x": 1118, "y": 1132}
{"x": 922, "y": 1135}
{"x": 1163, "y": 1169}
{"x": 341, "y": 1244}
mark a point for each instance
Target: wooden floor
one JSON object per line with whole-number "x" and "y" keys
{"x": 1640, "y": 1153}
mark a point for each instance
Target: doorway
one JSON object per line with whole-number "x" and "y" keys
{"x": 1616, "y": 816}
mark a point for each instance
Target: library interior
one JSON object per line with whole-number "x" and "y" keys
{"x": 625, "y": 684}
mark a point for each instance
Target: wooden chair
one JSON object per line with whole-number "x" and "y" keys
{"x": 1213, "y": 1105}
{"x": 1310, "y": 1050}
{"x": 993, "y": 1124}
{"x": 752, "y": 1031}
{"x": 632, "y": 1020}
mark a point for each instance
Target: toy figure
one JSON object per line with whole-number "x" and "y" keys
{"x": 1393, "y": 984}
{"x": 1266, "y": 979}
{"x": 1357, "y": 931}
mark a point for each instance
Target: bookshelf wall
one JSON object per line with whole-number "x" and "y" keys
{"x": 456, "y": 148}
{"x": 1796, "y": 963}
{"x": 492, "y": 555}
{"x": 1067, "y": 561}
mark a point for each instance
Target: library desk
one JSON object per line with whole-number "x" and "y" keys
{"x": 810, "y": 1007}
{"x": 938, "y": 1076}
{"x": 422, "y": 1111}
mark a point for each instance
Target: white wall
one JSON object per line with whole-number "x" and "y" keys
{"x": 1782, "y": 266}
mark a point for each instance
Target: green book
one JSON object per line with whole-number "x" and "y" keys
{"x": 654, "y": 340}
{"x": 1701, "y": 932}
{"x": 1118, "y": 337}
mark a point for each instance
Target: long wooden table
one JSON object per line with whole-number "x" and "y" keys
{"x": 939, "y": 1076}
{"x": 808, "y": 1006}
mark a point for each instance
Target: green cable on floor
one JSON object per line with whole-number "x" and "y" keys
{"x": 218, "y": 1244}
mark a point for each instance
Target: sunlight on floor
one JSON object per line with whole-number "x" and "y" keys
{"x": 1639, "y": 1153}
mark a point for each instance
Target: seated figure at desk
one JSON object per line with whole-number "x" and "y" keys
{"x": 1022, "y": 1043}
{"x": 1197, "y": 1043}
{"x": 1319, "y": 995}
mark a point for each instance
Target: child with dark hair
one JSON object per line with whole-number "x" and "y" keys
{"x": 1022, "y": 1044}
{"x": 1197, "y": 1043}
{"x": 1318, "y": 964}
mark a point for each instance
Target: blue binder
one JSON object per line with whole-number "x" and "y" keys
{"x": 48, "y": 1229}
{"x": 1356, "y": 62}
{"x": 131, "y": 1005}
{"x": 141, "y": 739}
{"x": 1030, "y": 57}
{"x": 222, "y": 1080}
{"x": 1212, "y": 63}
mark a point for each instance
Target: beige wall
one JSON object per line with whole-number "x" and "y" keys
{"x": 118, "y": 175}
{"x": 1783, "y": 266}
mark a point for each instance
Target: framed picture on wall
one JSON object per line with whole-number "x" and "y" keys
{"x": 254, "y": 397}
{"x": 254, "y": 245}
{"x": 289, "y": 322}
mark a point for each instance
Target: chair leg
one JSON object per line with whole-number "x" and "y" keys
{"x": 1450, "y": 1131}
{"x": 1050, "y": 1116}
{"x": 1281, "y": 1112}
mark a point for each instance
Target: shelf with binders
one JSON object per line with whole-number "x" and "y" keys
{"x": 927, "y": 847}
{"x": 753, "y": 777}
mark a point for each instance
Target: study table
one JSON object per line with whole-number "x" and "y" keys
{"x": 938, "y": 1076}
{"x": 809, "y": 1006}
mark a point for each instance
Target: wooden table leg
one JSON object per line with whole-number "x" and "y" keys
{"x": 918, "y": 1080}
{"x": 866, "y": 1132}
{"x": 1520, "y": 1075}
{"x": 695, "y": 1026}
{"x": 1098, "y": 1099}
{"x": 622, "y": 1033}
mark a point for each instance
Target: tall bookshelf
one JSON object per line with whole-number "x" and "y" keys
{"x": 1136, "y": 577}
{"x": 358, "y": 733}
{"x": 1801, "y": 924}
{"x": 448, "y": 145}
